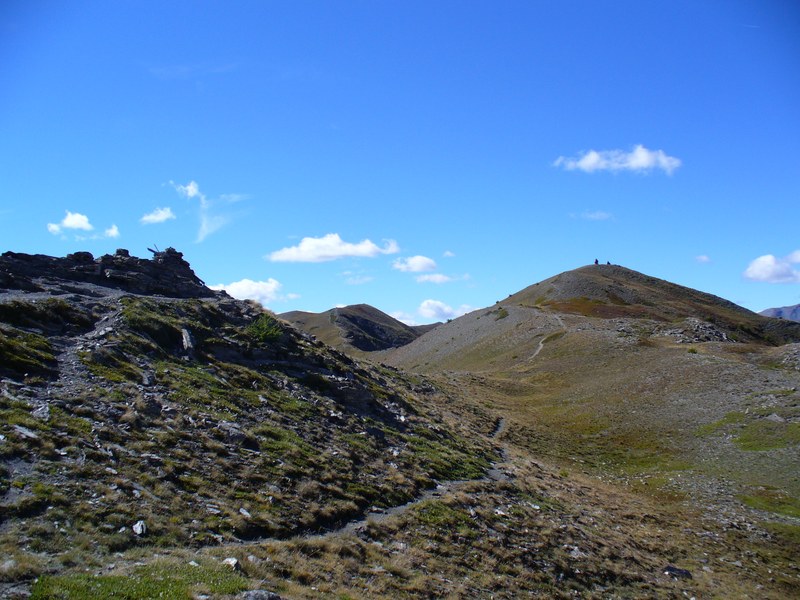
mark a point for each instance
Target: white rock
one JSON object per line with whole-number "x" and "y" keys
{"x": 139, "y": 528}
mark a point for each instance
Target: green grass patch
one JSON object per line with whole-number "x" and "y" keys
{"x": 434, "y": 513}
{"x": 23, "y": 352}
{"x": 732, "y": 418}
{"x": 198, "y": 386}
{"x": 51, "y": 314}
{"x": 283, "y": 443}
{"x": 753, "y": 432}
{"x": 788, "y": 533}
{"x": 446, "y": 462}
{"x": 159, "y": 580}
{"x": 772, "y": 500}
{"x": 111, "y": 365}
{"x": 768, "y": 435}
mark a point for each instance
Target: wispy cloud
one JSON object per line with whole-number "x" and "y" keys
{"x": 640, "y": 160}
{"x": 770, "y": 269}
{"x": 210, "y": 221}
{"x": 263, "y": 292}
{"x": 439, "y": 311}
{"x": 159, "y": 215}
{"x": 703, "y": 258}
{"x": 331, "y": 247}
{"x": 448, "y": 254}
{"x": 112, "y": 232}
{"x": 414, "y": 264}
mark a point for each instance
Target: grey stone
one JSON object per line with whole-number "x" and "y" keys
{"x": 259, "y": 595}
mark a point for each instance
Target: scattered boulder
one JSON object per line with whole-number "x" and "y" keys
{"x": 259, "y": 595}
{"x": 233, "y": 563}
{"x": 139, "y": 528}
{"x": 677, "y": 573}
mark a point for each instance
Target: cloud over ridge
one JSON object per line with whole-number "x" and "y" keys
{"x": 330, "y": 247}
{"x": 414, "y": 264}
{"x": 262, "y": 292}
{"x": 438, "y": 310}
{"x": 771, "y": 269}
{"x": 71, "y": 221}
{"x": 640, "y": 159}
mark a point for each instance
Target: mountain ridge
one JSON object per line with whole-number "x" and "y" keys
{"x": 785, "y": 312}
{"x": 358, "y": 326}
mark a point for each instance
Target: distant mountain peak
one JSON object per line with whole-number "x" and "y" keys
{"x": 792, "y": 313}
{"x": 359, "y": 326}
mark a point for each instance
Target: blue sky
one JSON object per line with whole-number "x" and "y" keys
{"x": 423, "y": 157}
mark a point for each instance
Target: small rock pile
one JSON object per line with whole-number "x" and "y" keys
{"x": 694, "y": 330}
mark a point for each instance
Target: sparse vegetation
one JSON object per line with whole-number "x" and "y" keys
{"x": 265, "y": 329}
{"x": 556, "y": 450}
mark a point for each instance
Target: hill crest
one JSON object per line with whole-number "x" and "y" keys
{"x": 358, "y": 326}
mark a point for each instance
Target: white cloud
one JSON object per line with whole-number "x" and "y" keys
{"x": 209, "y": 223}
{"x": 71, "y": 221}
{"x": 159, "y": 215}
{"x": 112, "y": 232}
{"x": 414, "y": 264}
{"x": 640, "y": 159}
{"x": 448, "y": 254}
{"x": 703, "y": 258}
{"x": 263, "y": 292}
{"x": 770, "y": 269}
{"x": 190, "y": 190}
{"x": 439, "y": 311}
{"x": 330, "y": 247}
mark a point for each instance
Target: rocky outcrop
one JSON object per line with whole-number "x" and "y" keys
{"x": 166, "y": 274}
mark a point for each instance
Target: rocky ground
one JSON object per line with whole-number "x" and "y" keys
{"x": 195, "y": 446}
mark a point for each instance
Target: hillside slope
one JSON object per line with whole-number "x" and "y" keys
{"x": 359, "y": 326}
{"x": 637, "y": 381}
{"x": 613, "y": 291}
{"x": 149, "y": 420}
{"x": 196, "y": 446}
